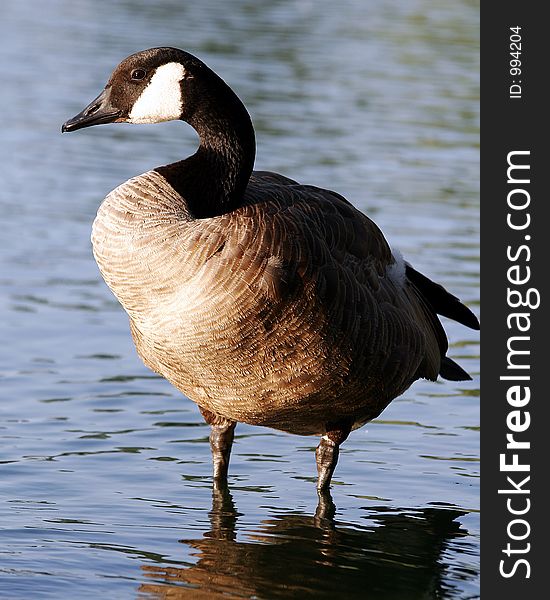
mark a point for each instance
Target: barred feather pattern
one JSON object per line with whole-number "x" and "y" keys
{"x": 280, "y": 313}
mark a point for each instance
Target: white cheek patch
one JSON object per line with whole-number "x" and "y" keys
{"x": 396, "y": 271}
{"x": 161, "y": 99}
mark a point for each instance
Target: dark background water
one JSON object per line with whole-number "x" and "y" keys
{"x": 105, "y": 468}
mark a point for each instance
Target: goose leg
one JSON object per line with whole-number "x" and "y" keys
{"x": 327, "y": 453}
{"x": 221, "y": 440}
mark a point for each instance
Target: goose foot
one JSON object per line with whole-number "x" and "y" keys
{"x": 327, "y": 453}
{"x": 222, "y": 431}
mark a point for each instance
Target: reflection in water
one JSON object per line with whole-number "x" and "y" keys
{"x": 398, "y": 555}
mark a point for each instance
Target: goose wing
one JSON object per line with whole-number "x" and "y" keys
{"x": 378, "y": 307}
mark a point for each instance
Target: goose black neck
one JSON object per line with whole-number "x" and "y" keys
{"x": 213, "y": 181}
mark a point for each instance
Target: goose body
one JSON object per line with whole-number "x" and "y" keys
{"x": 264, "y": 301}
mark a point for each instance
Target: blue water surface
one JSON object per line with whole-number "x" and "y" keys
{"x": 105, "y": 468}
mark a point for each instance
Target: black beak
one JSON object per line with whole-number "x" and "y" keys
{"x": 97, "y": 112}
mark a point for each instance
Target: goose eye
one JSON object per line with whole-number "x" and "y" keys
{"x": 138, "y": 74}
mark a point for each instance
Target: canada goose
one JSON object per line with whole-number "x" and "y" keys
{"x": 263, "y": 300}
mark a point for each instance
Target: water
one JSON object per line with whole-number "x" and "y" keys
{"x": 106, "y": 485}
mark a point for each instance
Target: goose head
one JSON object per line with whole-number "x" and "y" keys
{"x": 152, "y": 86}
{"x": 165, "y": 84}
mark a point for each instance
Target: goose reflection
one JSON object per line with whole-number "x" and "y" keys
{"x": 397, "y": 554}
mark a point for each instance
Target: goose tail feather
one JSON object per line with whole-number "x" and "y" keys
{"x": 452, "y": 371}
{"x": 441, "y": 301}
{"x": 444, "y": 303}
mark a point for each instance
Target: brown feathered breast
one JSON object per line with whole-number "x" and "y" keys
{"x": 285, "y": 312}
